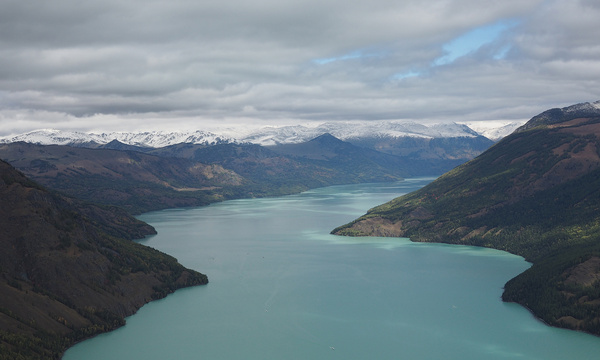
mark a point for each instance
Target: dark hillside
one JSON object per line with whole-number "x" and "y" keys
{"x": 537, "y": 194}
{"x": 69, "y": 270}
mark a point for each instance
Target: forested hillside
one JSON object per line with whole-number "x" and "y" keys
{"x": 69, "y": 270}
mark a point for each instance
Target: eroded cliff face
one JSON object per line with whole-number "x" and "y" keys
{"x": 69, "y": 270}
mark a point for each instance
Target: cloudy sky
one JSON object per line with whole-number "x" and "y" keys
{"x": 188, "y": 64}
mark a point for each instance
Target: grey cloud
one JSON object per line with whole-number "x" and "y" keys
{"x": 255, "y": 60}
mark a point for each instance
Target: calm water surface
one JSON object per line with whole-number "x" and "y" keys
{"x": 281, "y": 287}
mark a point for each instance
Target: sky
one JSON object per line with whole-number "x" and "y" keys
{"x": 138, "y": 65}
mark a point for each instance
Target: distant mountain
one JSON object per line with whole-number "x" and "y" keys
{"x": 69, "y": 270}
{"x": 193, "y": 175}
{"x": 536, "y": 193}
{"x": 442, "y": 146}
{"x": 266, "y": 135}
{"x": 328, "y": 151}
{"x": 323, "y": 147}
{"x": 117, "y": 145}
{"x": 322, "y": 161}
{"x": 135, "y": 181}
{"x": 440, "y": 153}
{"x": 277, "y": 171}
{"x": 494, "y": 130}
{"x": 351, "y": 130}
{"x": 150, "y": 139}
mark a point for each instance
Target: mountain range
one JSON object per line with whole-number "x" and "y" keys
{"x": 536, "y": 193}
{"x": 192, "y": 175}
{"x": 267, "y": 161}
{"x": 133, "y": 180}
{"x": 271, "y": 135}
{"x": 141, "y": 179}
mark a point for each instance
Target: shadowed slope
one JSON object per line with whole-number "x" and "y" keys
{"x": 69, "y": 270}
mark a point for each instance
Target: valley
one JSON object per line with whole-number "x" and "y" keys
{"x": 534, "y": 194}
{"x": 72, "y": 271}
{"x": 142, "y": 178}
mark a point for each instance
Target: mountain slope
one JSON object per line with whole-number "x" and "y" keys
{"x": 274, "y": 173}
{"x": 135, "y": 181}
{"x": 193, "y": 174}
{"x": 427, "y": 156}
{"x": 327, "y": 150}
{"x": 537, "y": 194}
{"x": 290, "y": 168}
{"x": 69, "y": 270}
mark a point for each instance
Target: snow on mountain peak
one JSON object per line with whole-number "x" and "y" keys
{"x": 356, "y": 129}
{"x": 272, "y": 135}
{"x": 495, "y": 130}
{"x": 144, "y": 139}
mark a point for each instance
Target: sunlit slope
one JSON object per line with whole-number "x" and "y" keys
{"x": 536, "y": 194}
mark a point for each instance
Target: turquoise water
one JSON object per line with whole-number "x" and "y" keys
{"x": 281, "y": 287}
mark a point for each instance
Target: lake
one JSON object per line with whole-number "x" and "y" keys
{"x": 282, "y": 287}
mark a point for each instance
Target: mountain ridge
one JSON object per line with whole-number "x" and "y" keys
{"x": 136, "y": 181}
{"x": 266, "y": 135}
{"x": 145, "y": 179}
{"x": 536, "y": 193}
{"x": 559, "y": 115}
{"x": 152, "y": 139}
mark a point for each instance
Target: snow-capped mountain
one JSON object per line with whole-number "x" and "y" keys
{"x": 494, "y": 130}
{"x": 153, "y": 139}
{"x": 268, "y": 135}
{"x": 354, "y": 130}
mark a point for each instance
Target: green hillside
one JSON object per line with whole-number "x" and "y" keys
{"x": 536, "y": 194}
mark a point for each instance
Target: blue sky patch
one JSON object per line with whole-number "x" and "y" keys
{"x": 474, "y": 40}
